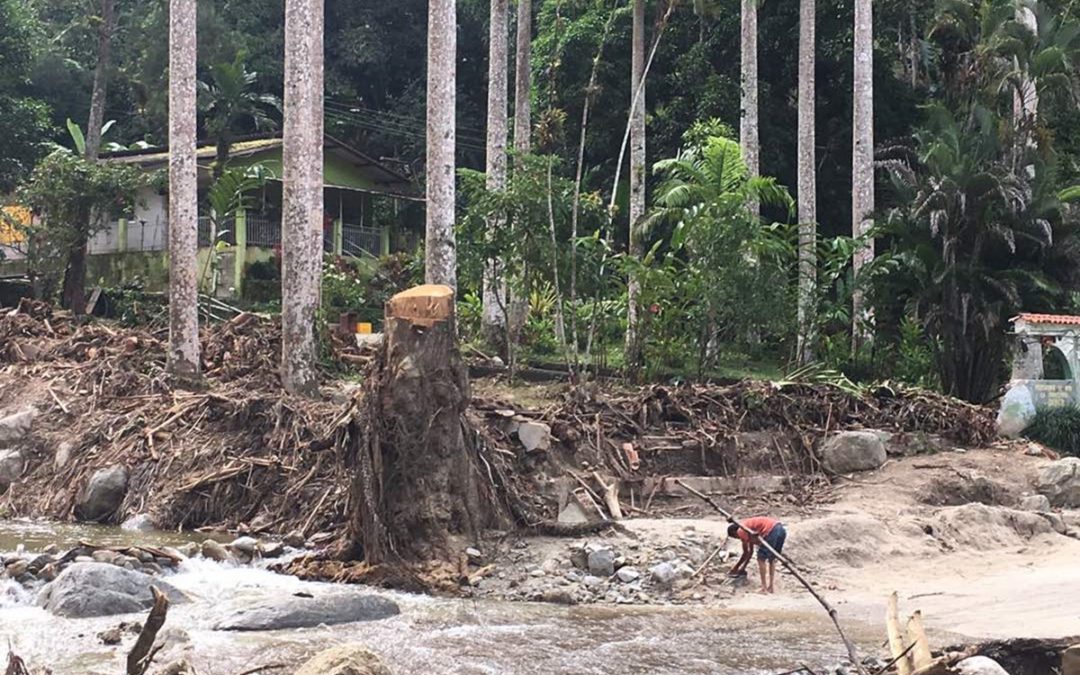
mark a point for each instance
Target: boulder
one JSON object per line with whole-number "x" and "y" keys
{"x": 980, "y": 665}
{"x": 15, "y": 427}
{"x": 850, "y": 451}
{"x": 303, "y": 612}
{"x": 602, "y": 562}
{"x": 141, "y": 522}
{"x": 1060, "y": 482}
{"x": 11, "y": 468}
{"x": 1070, "y": 660}
{"x": 1016, "y": 412}
{"x": 535, "y": 436}
{"x": 214, "y": 551}
{"x": 103, "y": 494}
{"x": 663, "y": 575}
{"x": 344, "y": 660}
{"x": 1035, "y": 503}
{"x": 99, "y": 589}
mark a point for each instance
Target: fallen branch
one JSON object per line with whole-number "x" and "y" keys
{"x": 142, "y": 654}
{"x": 853, "y": 654}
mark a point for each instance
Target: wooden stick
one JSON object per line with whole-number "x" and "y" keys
{"x": 896, "y": 639}
{"x": 853, "y": 653}
{"x": 921, "y": 656}
{"x": 707, "y": 561}
{"x": 892, "y": 663}
{"x": 611, "y": 496}
{"x": 140, "y": 656}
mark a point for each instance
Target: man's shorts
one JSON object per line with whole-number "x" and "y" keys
{"x": 776, "y": 540}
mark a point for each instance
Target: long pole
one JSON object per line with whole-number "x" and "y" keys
{"x": 853, "y": 654}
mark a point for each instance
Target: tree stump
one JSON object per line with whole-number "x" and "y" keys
{"x": 416, "y": 474}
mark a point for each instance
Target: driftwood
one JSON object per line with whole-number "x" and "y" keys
{"x": 15, "y": 665}
{"x": 920, "y": 654}
{"x": 897, "y": 649}
{"x": 853, "y": 654}
{"x": 143, "y": 652}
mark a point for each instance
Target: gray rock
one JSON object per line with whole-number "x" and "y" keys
{"x": 574, "y": 514}
{"x": 16, "y": 427}
{"x": 591, "y": 582}
{"x": 474, "y": 555}
{"x": 63, "y": 454}
{"x": 273, "y": 549}
{"x": 559, "y": 596}
{"x": 1016, "y": 412}
{"x": 139, "y": 523}
{"x": 602, "y": 562}
{"x": 214, "y": 551}
{"x": 1060, "y": 482}
{"x": 980, "y": 665}
{"x": 11, "y": 468}
{"x": 1035, "y": 503}
{"x": 17, "y": 568}
{"x": 628, "y": 574}
{"x": 294, "y": 540}
{"x": 1070, "y": 660}
{"x": 579, "y": 557}
{"x": 684, "y": 571}
{"x": 299, "y": 612}
{"x": 851, "y": 451}
{"x": 246, "y": 546}
{"x": 535, "y": 436}
{"x": 103, "y": 494}
{"x": 105, "y": 556}
{"x": 663, "y": 575}
{"x": 99, "y": 589}
{"x": 344, "y": 660}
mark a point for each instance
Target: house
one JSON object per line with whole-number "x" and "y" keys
{"x": 1045, "y": 368}
{"x": 355, "y": 184}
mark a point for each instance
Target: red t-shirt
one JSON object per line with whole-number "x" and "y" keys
{"x": 763, "y": 525}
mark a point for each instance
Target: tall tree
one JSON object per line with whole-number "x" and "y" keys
{"x": 183, "y": 358}
{"x": 523, "y": 79}
{"x": 74, "y": 293}
{"x": 498, "y": 45}
{"x": 441, "y": 248}
{"x": 637, "y": 181}
{"x": 807, "y": 182}
{"x": 302, "y": 193}
{"x": 862, "y": 161}
{"x": 231, "y": 100}
{"x": 748, "y": 125}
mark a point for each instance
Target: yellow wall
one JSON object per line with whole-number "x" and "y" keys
{"x": 13, "y": 221}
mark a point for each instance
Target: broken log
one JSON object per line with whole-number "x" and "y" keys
{"x": 897, "y": 649}
{"x": 142, "y": 653}
{"x": 416, "y": 476}
{"x": 920, "y": 653}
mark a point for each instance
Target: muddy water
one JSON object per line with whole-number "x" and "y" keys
{"x": 431, "y": 635}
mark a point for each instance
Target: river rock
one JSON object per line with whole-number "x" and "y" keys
{"x": 294, "y": 539}
{"x": 1070, "y": 660}
{"x": 15, "y": 427}
{"x": 1034, "y": 503}
{"x": 98, "y": 589}
{"x": 602, "y": 562}
{"x": 141, "y": 522}
{"x": 214, "y": 551}
{"x": 559, "y": 596}
{"x": 302, "y": 612}
{"x": 103, "y": 494}
{"x": 344, "y": 660}
{"x": 11, "y": 467}
{"x": 851, "y": 451}
{"x": 535, "y": 436}
{"x": 579, "y": 557}
{"x": 628, "y": 574}
{"x": 17, "y": 568}
{"x": 272, "y": 549}
{"x": 105, "y": 556}
{"x": 1060, "y": 482}
{"x": 245, "y": 546}
{"x": 663, "y": 575}
{"x": 980, "y": 665}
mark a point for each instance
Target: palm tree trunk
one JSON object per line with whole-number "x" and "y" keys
{"x": 862, "y": 163}
{"x": 748, "y": 128}
{"x": 302, "y": 193}
{"x": 494, "y": 319}
{"x": 523, "y": 79}
{"x": 807, "y": 183}
{"x": 637, "y": 183}
{"x": 441, "y": 252}
{"x": 101, "y": 78}
{"x": 183, "y": 358}
{"x": 73, "y": 295}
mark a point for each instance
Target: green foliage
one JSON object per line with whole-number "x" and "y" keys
{"x": 23, "y": 118}
{"x": 360, "y": 287}
{"x": 1058, "y": 428}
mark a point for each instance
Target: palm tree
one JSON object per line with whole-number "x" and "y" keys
{"x": 637, "y": 181}
{"x": 302, "y": 193}
{"x": 523, "y": 79}
{"x": 183, "y": 357}
{"x": 748, "y": 127}
{"x": 807, "y": 183}
{"x": 230, "y": 100}
{"x": 494, "y": 318}
{"x": 441, "y": 248}
{"x": 862, "y": 161}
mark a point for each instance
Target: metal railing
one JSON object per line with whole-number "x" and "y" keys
{"x": 357, "y": 240}
{"x": 226, "y": 231}
{"x": 262, "y": 231}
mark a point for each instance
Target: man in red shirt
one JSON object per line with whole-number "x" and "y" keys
{"x": 764, "y": 528}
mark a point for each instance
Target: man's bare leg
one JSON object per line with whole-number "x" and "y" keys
{"x": 772, "y": 576}
{"x": 762, "y": 569}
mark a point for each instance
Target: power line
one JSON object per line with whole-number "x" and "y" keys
{"x": 380, "y": 126}
{"x": 352, "y": 106}
{"x": 399, "y": 125}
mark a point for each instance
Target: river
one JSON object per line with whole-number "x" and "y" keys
{"x": 431, "y": 635}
